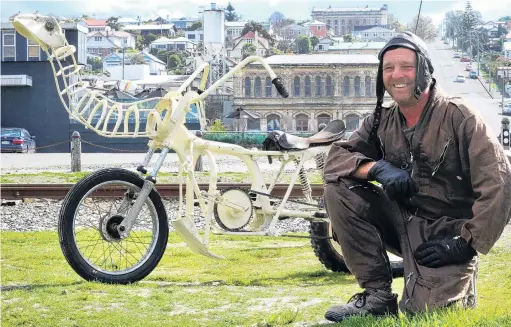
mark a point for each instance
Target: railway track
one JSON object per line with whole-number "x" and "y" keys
{"x": 59, "y": 191}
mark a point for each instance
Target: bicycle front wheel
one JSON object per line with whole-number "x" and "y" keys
{"x": 88, "y": 234}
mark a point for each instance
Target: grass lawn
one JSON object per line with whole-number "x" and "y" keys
{"x": 264, "y": 282}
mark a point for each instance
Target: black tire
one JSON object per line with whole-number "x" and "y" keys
{"x": 69, "y": 213}
{"x": 328, "y": 251}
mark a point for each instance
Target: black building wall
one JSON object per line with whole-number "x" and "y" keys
{"x": 36, "y": 108}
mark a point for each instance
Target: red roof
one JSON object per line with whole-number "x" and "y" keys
{"x": 249, "y": 35}
{"x": 96, "y": 22}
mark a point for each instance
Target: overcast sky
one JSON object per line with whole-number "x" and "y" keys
{"x": 248, "y": 9}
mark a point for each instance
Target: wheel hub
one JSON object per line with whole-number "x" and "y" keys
{"x": 109, "y": 228}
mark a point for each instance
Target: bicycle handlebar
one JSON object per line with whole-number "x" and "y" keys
{"x": 277, "y": 81}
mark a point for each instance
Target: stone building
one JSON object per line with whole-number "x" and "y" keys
{"x": 343, "y": 20}
{"x": 321, "y": 87}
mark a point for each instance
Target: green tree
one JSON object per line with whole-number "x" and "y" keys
{"x": 135, "y": 58}
{"x": 195, "y": 26}
{"x": 161, "y": 54}
{"x": 96, "y": 63}
{"x": 469, "y": 19}
{"x": 347, "y": 38}
{"x": 249, "y": 49}
{"x": 149, "y": 38}
{"x": 252, "y": 26}
{"x": 217, "y": 126}
{"x": 174, "y": 61}
{"x": 398, "y": 27}
{"x": 273, "y": 51}
{"x": 504, "y": 18}
{"x": 113, "y": 24}
{"x": 423, "y": 29}
{"x": 276, "y": 18}
{"x": 230, "y": 14}
{"x": 303, "y": 44}
{"x": 314, "y": 41}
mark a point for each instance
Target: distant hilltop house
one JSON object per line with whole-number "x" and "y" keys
{"x": 156, "y": 29}
{"x": 103, "y": 43}
{"x": 96, "y": 25}
{"x": 114, "y": 64}
{"x": 180, "y": 43}
{"x": 374, "y": 34}
{"x": 262, "y": 45}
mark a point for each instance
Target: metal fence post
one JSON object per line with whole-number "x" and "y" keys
{"x": 76, "y": 152}
{"x": 198, "y": 164}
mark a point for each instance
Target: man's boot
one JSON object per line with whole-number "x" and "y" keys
{"x": 369, "y": 302}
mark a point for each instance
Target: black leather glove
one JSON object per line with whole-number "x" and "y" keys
{"x": 439, "y": 253}
{"x": 396, "y": 182}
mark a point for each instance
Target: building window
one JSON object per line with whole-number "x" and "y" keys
{"x": 249, "y": 40}
{"x": 191, "y": 36}
{"x": 319, "y": 28}
{"x": 307, "y": 86}
{"x": 248, "y": 87}
{"x": 97, "y": 38}
{"x": 323, "y": 119}
{"x": 296, "y": 92}
{"x": 368, "y": 86}
{"x": 352, "y": 122}
{"x": 302, "y": 123}
{"x": 346, "y": 86}
{"x": 357, "y": 86}
{"x": 320, "y": 47}
{"x": 328, "y": 86}
{"x": 273, "y": 123}
{"x": 318, "y": 86}
{"x": 33, "y": 49}
{"x": 268, "y": 87}
{"x": 9, "y": 45}
{"x": 257, "y": 87}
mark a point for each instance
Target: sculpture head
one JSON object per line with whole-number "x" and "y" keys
{"x": 44, "y": 30}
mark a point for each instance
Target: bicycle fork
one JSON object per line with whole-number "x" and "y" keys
{"x": 126, "y": 225}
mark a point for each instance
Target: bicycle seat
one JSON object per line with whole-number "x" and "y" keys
{"x": 332, "y": 132}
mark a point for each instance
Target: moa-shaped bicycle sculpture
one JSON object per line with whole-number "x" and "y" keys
{"x": 113, "y": 225}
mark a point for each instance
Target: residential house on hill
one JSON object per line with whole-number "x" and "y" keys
{"x": 95, "y": 25}
{"x": 161, "y": 29}
{"x": 317, "y": 29}
{"x": 103, "y": 43}
{"x": 233, "y": 29}
{"x": 262, "y": 45}
{"x": 180, "y": 43}
{"x": 184, "y": 22}
{"x": 155, "y": 65}
{"x": 292, "y": 31}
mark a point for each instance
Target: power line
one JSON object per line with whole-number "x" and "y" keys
{"x": 418, "y": 16}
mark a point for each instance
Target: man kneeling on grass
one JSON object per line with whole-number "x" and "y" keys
{"x": 445, "y": 195}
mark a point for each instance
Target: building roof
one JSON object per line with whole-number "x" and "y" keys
{"x": 165, "y": 40}
{"x": 235, "y": 24}
{"x": 357, "y": 46}
{"x": 376, "y": 29}
{"x": 127, "y": 20}
{"x": 330, "y": 9}
{"x": 148, "y": 27}
{"x": 321, "y": 59}
{"x": 96, "y": 22}
{"x": 109, "y": 34}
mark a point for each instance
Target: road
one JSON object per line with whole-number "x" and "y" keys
{"x": 472, "y": 91}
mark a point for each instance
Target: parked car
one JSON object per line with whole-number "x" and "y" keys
{"x": 465, "y": 59}
{"x": 460, "y": 78}
{"x": 17, "y": 140}
{"x": 446, "y": 42}
{"x": 507, "y": 109}
{"x": 468, "y": 68}
{"x": 457, "y": 55}
{"x": 472, "y": 74}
